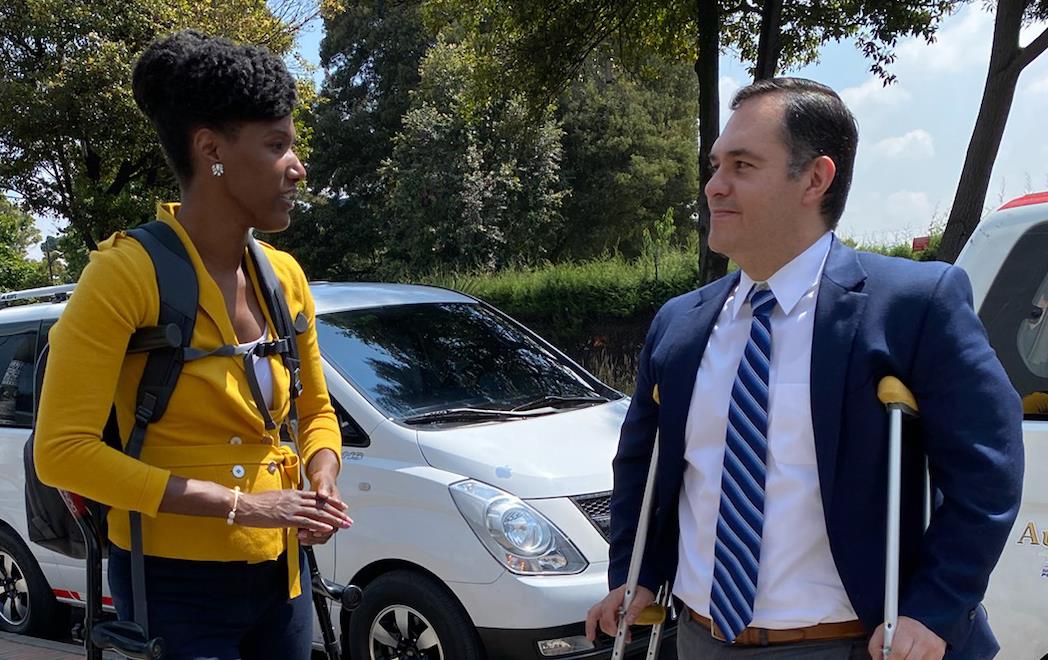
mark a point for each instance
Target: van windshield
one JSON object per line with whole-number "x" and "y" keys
{"x": 409, "y": 360}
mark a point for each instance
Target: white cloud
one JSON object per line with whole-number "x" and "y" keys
{"x": 917, "y": 143}
{"x": 873, "y": 93}
{"x": 908, "y": 208}
{"x": 962, "y": 44}
{"x": 1037, "y": 87}
{"x": 726, "y": 86}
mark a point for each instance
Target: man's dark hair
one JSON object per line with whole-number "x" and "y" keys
{"x": 815, "y": 122}
{"x": 190, "y": 80}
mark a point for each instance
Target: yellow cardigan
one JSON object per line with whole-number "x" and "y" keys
{"x": 212, "y": 429}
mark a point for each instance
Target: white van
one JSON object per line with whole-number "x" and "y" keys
{"x": 1007, "y": 261}
{"x": 476, "y": 461}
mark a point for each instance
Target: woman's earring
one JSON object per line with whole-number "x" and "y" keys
{"x": 217, "y": 169}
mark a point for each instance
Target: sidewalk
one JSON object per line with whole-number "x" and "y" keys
{"x": 18, "y": 647}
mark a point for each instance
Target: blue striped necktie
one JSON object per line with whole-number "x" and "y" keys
{"x": 737, "y": 553}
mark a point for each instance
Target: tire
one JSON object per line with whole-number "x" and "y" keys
{"x": 417, "y": 613}
{"x": 27, "y": 604}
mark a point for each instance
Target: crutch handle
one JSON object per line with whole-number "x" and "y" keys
{"x": 892, "y": 392}
{"x": 651, "y": 615}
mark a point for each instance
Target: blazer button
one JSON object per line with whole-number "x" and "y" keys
{"x": 272, "y": 467}
{"x": 235, "y": 440}
{"x": 238, "y": 471}
{"x": 972, "y": 615}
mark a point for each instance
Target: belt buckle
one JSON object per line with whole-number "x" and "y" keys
{"x": 716, "y": 633}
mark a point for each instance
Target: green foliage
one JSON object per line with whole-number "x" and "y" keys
{"x": 539, "y": 46}
{"x": 657, "y": 240}
{"x": 469, "y": 185}
{"x": 17, "y": 233}
{"x": 371, "y": 50}
{"x": 570, "y": 302}
{"x": 905, "y": 250}
{"x": 72, "y": 143}
{"x": 415, "y": 163}
{"x": 629, "y": 154}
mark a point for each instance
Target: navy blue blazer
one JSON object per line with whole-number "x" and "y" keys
{"x": 875, "y": 316}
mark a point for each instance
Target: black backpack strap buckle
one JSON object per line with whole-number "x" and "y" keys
{"x": 146, "y": 409}
{"x": 270, "y": 348}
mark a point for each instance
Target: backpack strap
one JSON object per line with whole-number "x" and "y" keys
{"x": 288, "y": 330}
{"x": 179, "y": 296}
{"x": 274, "y": 300}
{"x": 276, "y": 303}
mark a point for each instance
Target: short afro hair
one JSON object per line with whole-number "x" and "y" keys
{"x": 190, "y": 80}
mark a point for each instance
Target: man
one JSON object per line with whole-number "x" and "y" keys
{"x": 770, "y": 503}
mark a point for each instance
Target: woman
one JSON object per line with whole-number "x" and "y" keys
{"x": 214, "y": 590}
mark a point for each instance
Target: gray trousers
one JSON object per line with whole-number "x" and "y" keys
{"x": 694, "y": 642}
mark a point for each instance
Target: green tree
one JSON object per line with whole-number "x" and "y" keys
{"x": 629, "y": 154}
{"x": 470, "y": 183}
{"x": 540, "y": 46}
{"x": 657, "y": 240}
{"x": 17, "y": 233}
{"x": 72, "y": 143}
{"x": 1007, "y": 61}
{"x": 50, "y": 250}
{"x": 371, "y": 51}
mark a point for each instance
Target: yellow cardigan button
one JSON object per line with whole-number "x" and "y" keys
{"x": 238, "y": 471}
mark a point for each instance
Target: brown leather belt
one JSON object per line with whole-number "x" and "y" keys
{"x": 765, "y": 636}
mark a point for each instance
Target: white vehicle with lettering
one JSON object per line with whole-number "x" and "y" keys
{"x": 1007, "y": 261}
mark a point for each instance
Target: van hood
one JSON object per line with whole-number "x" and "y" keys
{"x": 564, "y": 453}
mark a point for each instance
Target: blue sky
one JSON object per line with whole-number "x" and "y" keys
{"x": 914, "y": 133}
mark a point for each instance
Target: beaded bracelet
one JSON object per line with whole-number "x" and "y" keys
{"x": 233, "y": 512}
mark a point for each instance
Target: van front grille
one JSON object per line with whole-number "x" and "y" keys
{"x": 597, "y": 507}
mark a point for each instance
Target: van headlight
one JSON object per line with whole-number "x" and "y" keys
{"x": 517, "y": 536}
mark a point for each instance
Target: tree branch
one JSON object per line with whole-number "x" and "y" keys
{"x": 1033, "y": 49}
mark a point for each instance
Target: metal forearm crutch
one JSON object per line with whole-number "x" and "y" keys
{"x": 899, "y": 401}
{"x": 655, "y": 614}
{"x": 349, "y": 596}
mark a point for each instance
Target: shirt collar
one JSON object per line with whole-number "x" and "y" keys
{"x": 792, "y": 281}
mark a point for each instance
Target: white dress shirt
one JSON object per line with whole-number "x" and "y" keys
{"x": 797, "y": 582}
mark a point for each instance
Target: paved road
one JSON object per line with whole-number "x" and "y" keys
{"x": 18, "y": 647}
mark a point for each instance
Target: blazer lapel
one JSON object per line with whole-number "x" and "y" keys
{"x": 685, "y": 343}
{"x": 838, "y": 313}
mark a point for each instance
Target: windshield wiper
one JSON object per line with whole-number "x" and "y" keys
{"x": 555, "y": 401}
{"x": 464, "y": 415}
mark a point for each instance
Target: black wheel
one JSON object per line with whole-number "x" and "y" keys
{"x": 27, "y": 605}
{"x": 410, "y": 615}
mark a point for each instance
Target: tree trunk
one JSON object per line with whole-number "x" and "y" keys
{"x": 707, "y": 69}
{"x": 770, "y": 45}
{"x": 85, "y": 235}
{"x": 1006, "y": 63}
